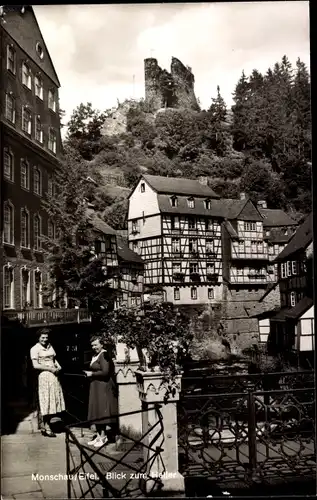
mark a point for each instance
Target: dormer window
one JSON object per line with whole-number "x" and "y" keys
{"x": 26, "y": 76}
{"x": 142, "y": 187}
{"x": 174, "y": 201}
{"x": 207, "y": 204}
{"x": 191, "y": 202}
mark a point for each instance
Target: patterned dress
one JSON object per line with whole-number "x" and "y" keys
{"x": 51, "y": 399}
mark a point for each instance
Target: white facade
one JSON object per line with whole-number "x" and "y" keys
{"x": 304, "y": 330}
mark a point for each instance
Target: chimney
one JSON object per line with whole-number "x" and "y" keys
{"x": 242, "y": 196}
{"x": 202, "y": 179}
{"x": 262, "y": 204}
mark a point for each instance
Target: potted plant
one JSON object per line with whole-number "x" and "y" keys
{"x": 160, "y": 333}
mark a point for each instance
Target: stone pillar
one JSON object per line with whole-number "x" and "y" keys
{"x": 152, "y": 390}
{"x": 126, "y": 363}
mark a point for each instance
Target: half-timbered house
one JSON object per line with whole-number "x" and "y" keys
{"x": 174, "y": 224}
{"x": 131, "y": 276}
{"x": 292, "y": 327}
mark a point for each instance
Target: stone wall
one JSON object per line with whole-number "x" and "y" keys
{"x": 172, "y": 90}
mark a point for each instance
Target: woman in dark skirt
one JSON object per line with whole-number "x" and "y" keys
{"x": 103, "y": 398}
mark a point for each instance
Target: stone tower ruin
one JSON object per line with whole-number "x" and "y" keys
{"x": 169, "y": 90}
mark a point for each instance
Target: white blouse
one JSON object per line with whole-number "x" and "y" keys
{"x": 43, "y": 355}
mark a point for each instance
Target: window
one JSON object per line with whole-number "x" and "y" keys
{"x": 176, "y": 267}
{"x": 177, "y": 294}
{"x": 267, "y": 232}
{"x": 211, "y": 294}
{"x": 38, "y": 130}
{"x": 142, "y": 187}
{"x": 294, "y": 267}
{"x": 37, "y": 181}
{"x": 175, "y": 222}
{"x": 174, "y": 202}
{"x": 8, "y": 284}
{"x": 192, "y": 245}
{"x": 271, "y": 249}
{"x": 209, "y": 225}
{"x": 51, "y": 100}
{"x": 193, "y": 267}
{"x": 38, "y": 83}
{"x": 25, "y": 286}
{"x": 293, "y": 299}
{"x": 133, "y": 300}
{"x": 37, "y": 289}
{"x": 207, "y": 204}
{"x": 11, "y": 59}
{"x": 135, "y": 226}
{"x": 8, "y": 223}
{"x": 37, "y": 232}
{"x": 283, "y": 270}
{"x": 10, "y": 108}
{"x": 51, "y": 230}
{"x": 193, "y": 292}
{"x": 52, "y": 140}
{"x": 210, "y": 268}
{"x": 26, "y": 76}
{"x": 260, "y": 246}
{"x": 209, "y": 246}
{"x": 39, "y": 50}
{"x": 25, "y": 174}
{"x": 25, "y": 228}
{"x": 175, "y": 245}
{"x": 8, "y": 164}
{"x": 26, "y": 120}
{"x": 191, "y": 202}
{"x": 289, "y": 268}
{"x": 192, "y": 223}
{"x": 250, "y": 226}
{"x": 254, "y": 247}
{"x": 135, "y": 247}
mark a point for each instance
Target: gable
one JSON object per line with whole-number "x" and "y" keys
{"x": 25, "y": 31}
{"x": 142, "y": 202}
{"x": 250, "y": 213}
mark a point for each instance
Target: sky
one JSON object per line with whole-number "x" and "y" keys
{"x": 98, "y": 50}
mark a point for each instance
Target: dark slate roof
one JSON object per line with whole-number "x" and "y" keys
{"x": 125, "y": 253}
{"x": 275, "y": 218}
{"x": 277, "y": 235}
{"x": 269, "y": 289}
{"x": 300, "y": 240}
{"x": 179, "y": 186}
{"x": 233, "y": 233}
{"x": 280, "y": 315}
{"x": 264, "y": 314}
{"x": 301, "y": 307}
{"x": 98, "y": 223}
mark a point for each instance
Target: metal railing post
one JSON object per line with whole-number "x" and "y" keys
{"x": 69, "y": 494}
{"x": 251, "y": 434}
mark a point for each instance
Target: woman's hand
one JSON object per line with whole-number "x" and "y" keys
{"x": 87, "y": 373}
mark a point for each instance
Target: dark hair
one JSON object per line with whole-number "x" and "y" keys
{"x": 96, "y": 337}
{"x": 43, "y": 331}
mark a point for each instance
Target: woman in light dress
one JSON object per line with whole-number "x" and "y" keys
{"x": 103, "y": 398}
{"x": 50, "y": 394}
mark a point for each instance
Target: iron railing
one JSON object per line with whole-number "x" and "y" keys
{"x": 119, "y": 470}
{"x": 48, "y": 317}
{"x": 249, "y": 428}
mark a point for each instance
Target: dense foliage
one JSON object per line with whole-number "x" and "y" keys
{"x": 261, "y": 146}
{"x": 73, "y": 267}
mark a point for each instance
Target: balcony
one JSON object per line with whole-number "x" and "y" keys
{"x": 179, "y": 277}
{"x": 195, "y": 277}
{"x": 48, "y": 317}
{"x": 213, "y": 278}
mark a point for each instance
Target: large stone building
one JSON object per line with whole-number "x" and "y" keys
{"x": 169, "y": 90}
{"x": 30, "y": 149}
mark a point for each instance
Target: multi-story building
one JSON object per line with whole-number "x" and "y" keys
{"x": 30, "y": 151}
{"x": 278, "y": 228}
{"x": 131, "y": 276}
{"x": 292, "y": 327}
{"x": 173, "y": 227}
{"x": 197, "y": 246}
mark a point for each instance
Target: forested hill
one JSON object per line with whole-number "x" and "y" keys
{"x": 262, "y": 146}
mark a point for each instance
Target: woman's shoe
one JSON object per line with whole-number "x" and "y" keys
{"x": 47, "y": 433}
{"x": 100, "y": 442}
{"x": 93, "y": 440}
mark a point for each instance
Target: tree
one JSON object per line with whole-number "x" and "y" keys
{"x": 73, "y": 267}
{"x": 84, "y": 130}
{"x": 161, "y": 329}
